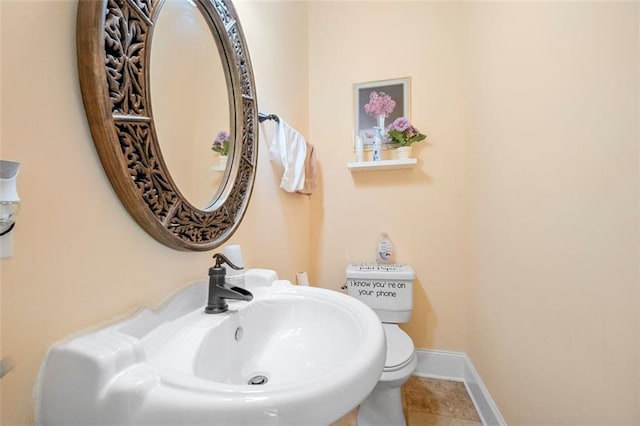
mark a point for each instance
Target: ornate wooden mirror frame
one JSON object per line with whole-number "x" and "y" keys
{"x": 113, "y": 41}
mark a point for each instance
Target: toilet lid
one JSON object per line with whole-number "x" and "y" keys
{"x": 400, "y": 347}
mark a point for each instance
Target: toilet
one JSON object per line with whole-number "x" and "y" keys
{"x": 388, "y": 290}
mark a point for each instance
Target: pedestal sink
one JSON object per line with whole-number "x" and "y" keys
{"x": 292, "y": 356}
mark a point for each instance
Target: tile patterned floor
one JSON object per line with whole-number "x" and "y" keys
{"x": 431, "y": 402}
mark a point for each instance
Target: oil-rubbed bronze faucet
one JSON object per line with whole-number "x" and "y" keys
{"x": 217, "y": 290}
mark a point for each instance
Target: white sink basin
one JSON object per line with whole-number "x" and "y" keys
{"x": 291, "y": 356}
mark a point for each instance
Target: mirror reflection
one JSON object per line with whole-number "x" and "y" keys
{"x": 189, "y": 100}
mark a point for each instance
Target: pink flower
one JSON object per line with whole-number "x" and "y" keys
{"x": 400, "y": 124}
{"x": 379, "y": 104}
{"x": 403, "y": 133}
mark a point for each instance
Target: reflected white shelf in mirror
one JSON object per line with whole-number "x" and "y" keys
{"x": 382, "y": 165}
{"x": 217, "y": 168}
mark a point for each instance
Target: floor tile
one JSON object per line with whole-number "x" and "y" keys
{"x": 439, "y": 397}
{"x": 429, "y": 402}
{"x": 348, "y": 420}
{"x": 419, "y": 418}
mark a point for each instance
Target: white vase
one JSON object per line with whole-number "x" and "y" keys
{"x": 222, "y": 161}
{"x": 404, "y": 152}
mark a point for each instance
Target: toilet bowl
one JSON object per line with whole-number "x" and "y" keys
{"x": 388, "y": 290}
{"x": 383, "y": 406}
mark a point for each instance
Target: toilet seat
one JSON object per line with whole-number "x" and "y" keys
{"x": 400, "y": 349}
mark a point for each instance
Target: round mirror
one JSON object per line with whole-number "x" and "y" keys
{"x": 189, "y": 100}
{"x": 114, "y": 39}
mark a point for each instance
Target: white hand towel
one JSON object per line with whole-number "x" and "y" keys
{"x": 289, "y": 150}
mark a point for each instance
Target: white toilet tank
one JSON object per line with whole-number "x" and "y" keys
{"x": 385, "y": 288}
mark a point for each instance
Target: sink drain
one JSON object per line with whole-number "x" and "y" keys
{"x": 258, "y": 379}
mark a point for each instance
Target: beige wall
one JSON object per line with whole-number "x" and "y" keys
{"x": 522, "y": 218}
{"x": 79, "y": 259}
{"x": 554, "y": 214}
{"x": 422, "y": 209}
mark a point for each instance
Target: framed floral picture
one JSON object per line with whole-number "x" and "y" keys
{"x": 380, "y": 102}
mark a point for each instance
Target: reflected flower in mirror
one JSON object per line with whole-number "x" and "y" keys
{"x": 221, "y": 143}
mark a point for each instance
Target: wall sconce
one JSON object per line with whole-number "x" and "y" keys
{"x": 9, "y": 203}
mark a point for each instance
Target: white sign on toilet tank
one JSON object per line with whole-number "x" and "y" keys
{"x": 386, "y": 286}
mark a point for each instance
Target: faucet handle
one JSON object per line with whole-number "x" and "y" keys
{"x": 221, "y": 258}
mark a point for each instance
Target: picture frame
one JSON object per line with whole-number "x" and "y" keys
{"x": 398, "y": 89}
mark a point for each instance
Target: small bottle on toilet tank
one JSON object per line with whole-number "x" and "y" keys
{"x": 385, "y": 249}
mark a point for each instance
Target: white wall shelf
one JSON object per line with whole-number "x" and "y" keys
{"x": 382, "y": 165}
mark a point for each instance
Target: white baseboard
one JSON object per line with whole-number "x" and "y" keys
{"x": 457, "y": 366}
